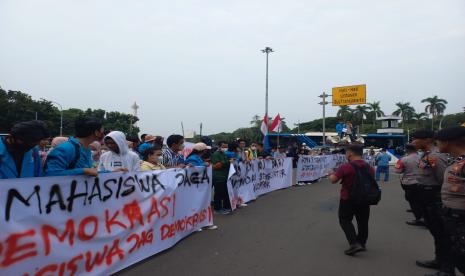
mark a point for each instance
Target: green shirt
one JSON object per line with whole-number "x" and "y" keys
{"x": 222, "y": 173}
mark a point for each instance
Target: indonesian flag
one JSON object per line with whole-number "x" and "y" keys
{"x": 276, "y": 125}
{"x": 264, "y": 127}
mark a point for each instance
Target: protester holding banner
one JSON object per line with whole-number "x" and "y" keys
{"x": 347, "y": 209}
{"x": 242, "y": 148}
{"x": 195, "y": 158}
{"x": 96, "y": 150}
{"x": 119, "y": 157}
{"x": 171, "y": 156}
{"x": 251, "y": 152}
{"x": 74, "y": 157}
{"x": 19, "y": 153}
{"x": 221, "y": 164}
{"x": 152, "y": 159}
{"x": 233, "y": 152}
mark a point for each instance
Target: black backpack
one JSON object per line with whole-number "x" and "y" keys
{"x": 364, "y": 189}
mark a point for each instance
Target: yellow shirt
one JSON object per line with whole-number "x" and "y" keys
{"x": 147, "y": 166}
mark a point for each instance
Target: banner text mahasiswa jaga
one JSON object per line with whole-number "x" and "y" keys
{"x": 247, "y": 181}
{"x": 97, "y": 226}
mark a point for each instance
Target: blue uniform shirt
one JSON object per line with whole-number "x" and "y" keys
{"x": 60, "y": 157}
{"x": 195, "y": 160}
{"x": 31, "y": 165}
{"x": 383, "y": 159}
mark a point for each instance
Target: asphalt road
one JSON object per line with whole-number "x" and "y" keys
{"x": 296, "y": 232}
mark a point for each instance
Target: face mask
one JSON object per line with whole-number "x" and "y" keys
{"x": 223, "y": 149}
{"x": 253, "y": 148}
{"x": 94, "y": 153}
{"x": 160, "y": 159}
{"x": 181, "y": 147}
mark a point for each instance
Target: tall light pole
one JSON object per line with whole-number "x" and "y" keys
{"x": 324, "y": 103}
{"x": 267, "y": 50}
{"x": 61, "y": 117}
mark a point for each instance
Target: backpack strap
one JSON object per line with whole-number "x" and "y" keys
{"x": 77, "y": 156}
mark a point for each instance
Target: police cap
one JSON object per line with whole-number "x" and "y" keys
{"x": 423, "y": 134}
{"x": 451, "y": 133}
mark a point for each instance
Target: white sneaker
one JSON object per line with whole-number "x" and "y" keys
{"x": 211, "y": 227}
{"x": 243, "y": 205}
{"x": 199, "y": 230}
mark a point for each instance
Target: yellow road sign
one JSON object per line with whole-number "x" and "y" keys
{"x": 349, "y": 95}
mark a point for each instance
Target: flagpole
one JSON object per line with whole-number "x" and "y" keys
{"x": 267, "y": 50}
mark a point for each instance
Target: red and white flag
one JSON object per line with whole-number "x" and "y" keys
{"x": 264, "y": 127}
{"x": 276, "y": 125}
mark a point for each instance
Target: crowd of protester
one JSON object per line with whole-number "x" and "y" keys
{"x": 433, "y": 172}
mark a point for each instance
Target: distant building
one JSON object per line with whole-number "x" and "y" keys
{"x": 390, "y": 125}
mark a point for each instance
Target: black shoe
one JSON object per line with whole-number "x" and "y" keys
{"x": 354, "y": 249}
{"x": 409, "y": 211}
{"x": 416, "y": 223}
{"x": 433, "y": 264}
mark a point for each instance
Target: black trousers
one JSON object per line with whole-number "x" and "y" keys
{"x": 221, "y": 196}
{"x": 412, "y": 196}
{"x": 455, "y": 229}
{"x": 347, "y": 211}
{"x": 430, "y": 202}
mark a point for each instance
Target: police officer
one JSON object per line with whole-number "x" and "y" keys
{"x": 432, "y": 166}
{"x": 452, "y": 140}
{"x": 408, "y": 166}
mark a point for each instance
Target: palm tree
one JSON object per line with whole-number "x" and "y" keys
{"x": 405, "y": 110}
{"x": 345, "y": 112}
{"x": 360, "y": 112}
{"x": 435, "y": 107}
{"x": 418, "y": 117}
{"x": 375, "y": 110}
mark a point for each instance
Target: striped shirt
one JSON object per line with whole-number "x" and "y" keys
{"x": 171, "y": 158}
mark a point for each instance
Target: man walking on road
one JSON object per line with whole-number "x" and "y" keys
{"x": 347, "y": 208}
{"x": 382, "y": 165}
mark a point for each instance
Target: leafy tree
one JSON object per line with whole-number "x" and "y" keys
{"x": 404, "y": 110}
{"x": 375, "y": 111}
{"x": 436, "y": 106}
{"x": 345, "y": 112}
{"x": 360, "y": 113}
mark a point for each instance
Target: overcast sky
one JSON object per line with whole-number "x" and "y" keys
{"x": 200, "y": 61}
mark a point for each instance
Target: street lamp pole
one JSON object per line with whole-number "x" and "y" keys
{"x": 61, "y": 117}
{"x": 324, "y": 103}
{"x": 267, "y": 50}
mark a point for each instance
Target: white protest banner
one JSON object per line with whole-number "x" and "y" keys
{"x": 247, "y": 181}
{"x": 311, "y": 167}
{"x": 79, "y": 225}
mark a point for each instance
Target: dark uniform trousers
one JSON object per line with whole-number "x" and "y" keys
{"x": 347, "y": 211}
{"x": 454, "y": 221}
{"x": 430, "y": 202}
{"x": 412, "y": 196}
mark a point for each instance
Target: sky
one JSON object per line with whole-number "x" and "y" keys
{"x": 200, "y": 61}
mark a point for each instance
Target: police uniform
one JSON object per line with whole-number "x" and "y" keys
{"x": 408, "y": 166}
{"x": 432, "y": 166}
{"x": 453, "y": 198}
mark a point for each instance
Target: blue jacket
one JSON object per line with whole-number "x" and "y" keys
{"x": 59, "y": 159}
{"x": 231, "y": 154}
{"x": 31, "y": 167}
{"x": 195, "y": 160}
{"x": 383, "y": 159}
{"x": 339, "y": 127}
{"x": 143, "y": 147}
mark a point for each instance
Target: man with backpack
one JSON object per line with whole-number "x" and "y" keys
{"x": 359, "y": 190}
{"x": 74, "y": 157}
{"x": 19, "y": 153}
